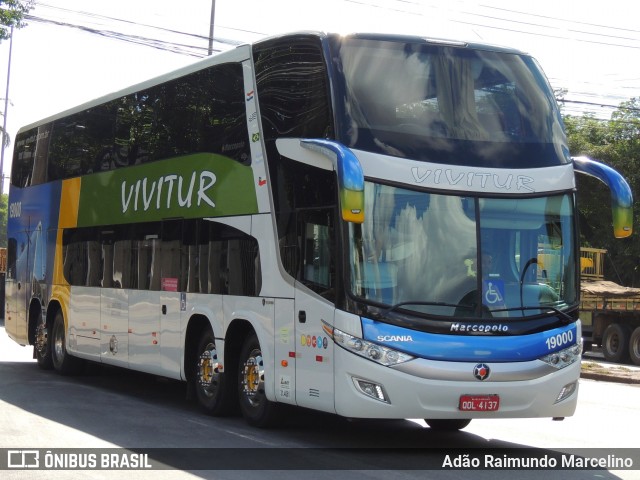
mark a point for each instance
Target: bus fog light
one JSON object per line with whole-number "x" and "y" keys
{"x": 371, "y": 389}
{"x": 567, "y": 391}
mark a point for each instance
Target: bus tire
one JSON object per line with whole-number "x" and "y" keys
{"x": 634, "y": 346}
{"x": 256, "y": 409}
{"x": 42, "y": 347}
{"x": 63, "y": 362}
{"x": 615, "y": 343}
{"x": 212, "y": 389}
{"x": 447, "y": 425}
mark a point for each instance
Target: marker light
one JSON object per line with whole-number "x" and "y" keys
{"x": 371, "y": 351}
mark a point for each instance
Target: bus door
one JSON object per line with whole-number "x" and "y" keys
{"x": 172, "y": 296}
{"x": 9, "y": 286}
{"x": 20, "y": 281}
{"x": 155, "y": 300}
{"x": 144, "y": 299}
{"x": 11, "y": 289}
{"x": 314, "y": 306}
{"x": 114, "y": 305}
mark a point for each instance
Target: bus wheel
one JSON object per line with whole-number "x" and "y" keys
{"x": 63, "y": 363}
{"x": 255, "y": 408}
{"x": 634, "y": 346}
{"x": 212, "y": 390}
{"x": 615, "y": 343}
{"x": 42, "y": 347}
{"x": 447, "y": 425}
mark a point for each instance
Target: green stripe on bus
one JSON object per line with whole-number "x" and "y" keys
{"x": 199, "y": 185}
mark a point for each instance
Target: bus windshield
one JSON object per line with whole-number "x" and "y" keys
{"x": 457, "y": 256}
{"x": 448, "y": 104}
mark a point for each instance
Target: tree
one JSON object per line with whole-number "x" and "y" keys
{"x": 12, "y": 13}
{"x": 615, "y": 142}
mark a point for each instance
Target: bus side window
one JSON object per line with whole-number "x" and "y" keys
{"x": 94, "y": 267}
{"x": 171, "y": 256}
{"x": 318, "y": 255}
{"x": 107, "y": 263}
{"x": 122, "y": 268}
{"x": 75, "y": 258}
{"x": 191, "y": 259}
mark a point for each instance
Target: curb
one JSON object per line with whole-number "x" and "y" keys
{"x": 633, "y": 379}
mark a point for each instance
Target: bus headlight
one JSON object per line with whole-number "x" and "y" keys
{"x": 565, "y": 357}
{"x": 371, "y": 351}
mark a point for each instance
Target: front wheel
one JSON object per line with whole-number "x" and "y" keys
{"x": 254, "y": 405}
{"x": 447, "y": 425}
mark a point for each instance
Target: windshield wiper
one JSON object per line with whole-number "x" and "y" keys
{"x": 565, "y": 316}
{"x": 429, "y": 304}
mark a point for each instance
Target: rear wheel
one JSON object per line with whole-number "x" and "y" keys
{"x": 615, "y": 343}
{"x": 447, "y": 425}
{"x": 254, "y": 405}
{"x": 42, "y": 347}
{"x": 62, "y": 362}
{"x": 634, "y": 346}
{"x": 213, "y": 391}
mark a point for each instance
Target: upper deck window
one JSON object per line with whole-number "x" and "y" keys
{"x": 447, "y": 104}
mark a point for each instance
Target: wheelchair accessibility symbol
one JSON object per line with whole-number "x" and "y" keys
{"x": 493, "y": 292}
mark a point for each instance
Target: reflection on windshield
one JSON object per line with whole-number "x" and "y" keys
{"x": 464, "y": 257}
{"x": 446, "y": 104}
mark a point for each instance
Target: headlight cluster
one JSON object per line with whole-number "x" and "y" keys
{"x": 371, "y": 351}
{"x": 565, "y": 357}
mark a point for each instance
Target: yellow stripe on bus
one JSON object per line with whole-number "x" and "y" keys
{"x": 69, "y": 202}
{"x": 68, "y": 218}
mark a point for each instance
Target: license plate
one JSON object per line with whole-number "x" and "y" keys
{"x": 479, "y": 403}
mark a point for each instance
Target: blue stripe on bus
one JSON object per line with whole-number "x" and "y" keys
{"x": 470, "y": 348}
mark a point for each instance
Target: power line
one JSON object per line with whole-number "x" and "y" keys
{"x": 138, "y": 24}
{"x": 595, "y": 104}
{"x": 560, "y": 19}
{"x": 180, "y": 48}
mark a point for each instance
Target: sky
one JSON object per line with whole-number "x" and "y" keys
{"x": 73, "y": 51}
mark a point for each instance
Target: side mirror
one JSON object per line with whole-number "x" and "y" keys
{"x": 350, "y": 176}
{"x": 621, "y": 196}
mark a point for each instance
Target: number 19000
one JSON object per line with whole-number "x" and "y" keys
{"x": 559, "y": 340}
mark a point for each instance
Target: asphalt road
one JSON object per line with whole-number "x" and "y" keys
{"x": 109, "y": 408}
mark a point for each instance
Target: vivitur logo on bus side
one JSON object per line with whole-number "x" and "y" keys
{"x": 167, "y": 189}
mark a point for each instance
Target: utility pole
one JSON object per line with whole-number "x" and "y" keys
{"x": 213, "y": 14}
{"x": 4, "y": 121}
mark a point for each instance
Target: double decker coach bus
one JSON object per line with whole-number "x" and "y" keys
{"x": 371, "y": 225}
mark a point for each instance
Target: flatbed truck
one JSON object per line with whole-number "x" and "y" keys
{"x": 610, "y": 313}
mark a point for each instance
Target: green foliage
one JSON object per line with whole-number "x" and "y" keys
{"x": 12, "y": 14}
{"x": 615, "y": 142}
